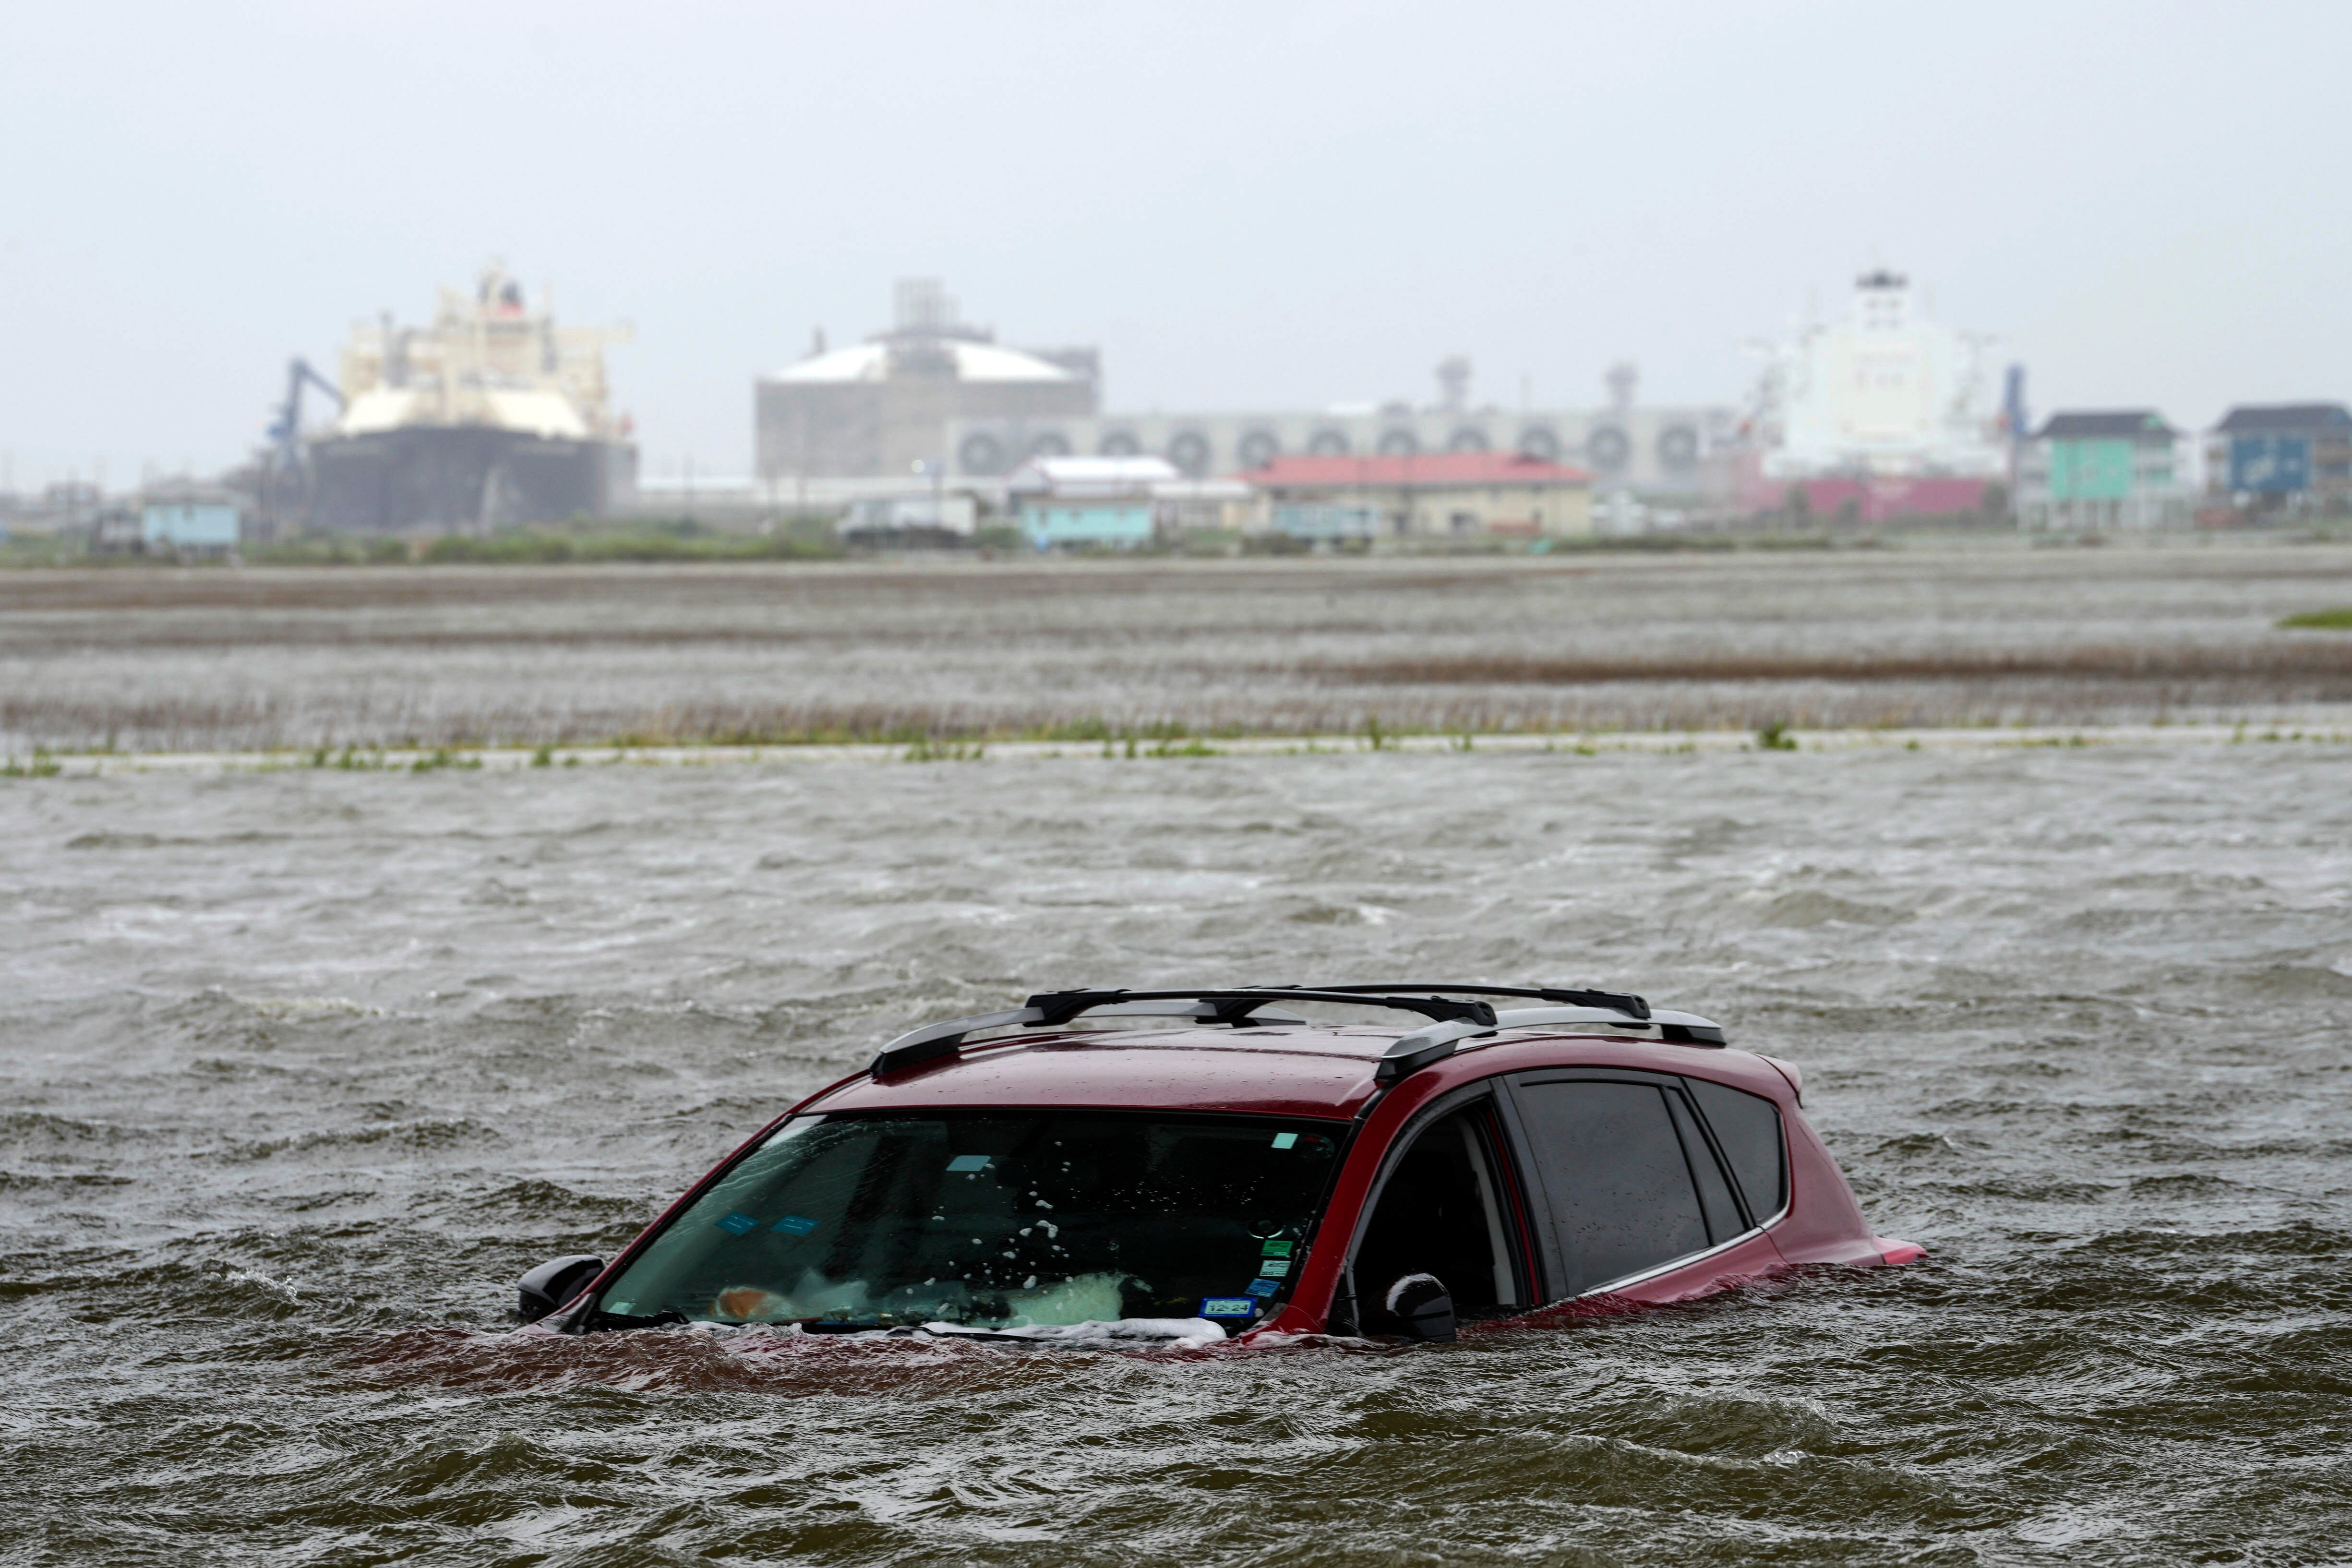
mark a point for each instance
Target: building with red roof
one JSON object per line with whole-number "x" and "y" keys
{"x": 1427, "y": 495}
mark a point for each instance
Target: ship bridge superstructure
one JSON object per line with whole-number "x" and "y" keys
{"x": 488, "y": 360}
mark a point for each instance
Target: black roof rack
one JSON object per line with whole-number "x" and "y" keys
{"x": 1238, "y": 1006}
{"x": 1625, "y": 1002}
{"x": 1233, "y": 1003}
{"x": 1242, "y": 1007}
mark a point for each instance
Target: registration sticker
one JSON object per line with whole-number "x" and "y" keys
{"x": 738, "y": 1224}
{"x": 794, "y": 1225}
{"x": 966, "y": 1165}
{"x": 1229, "y": 1307}
{"x": 1285, "y": 1140}
{"x": 1273, "y": 1269}
{"x": 1262, "y": 1287}
{"x": 1277, "y": 1249}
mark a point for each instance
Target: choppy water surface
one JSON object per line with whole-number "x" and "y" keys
{"x": 301, "y": 1070}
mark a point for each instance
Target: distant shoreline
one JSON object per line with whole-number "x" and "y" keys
{"x": 613, "y": 544}
{"x": 2330, "y": 730}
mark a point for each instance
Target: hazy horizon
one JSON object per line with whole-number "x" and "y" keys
{"x": 1241, "y": 206}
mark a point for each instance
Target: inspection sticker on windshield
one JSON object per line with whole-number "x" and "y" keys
{"x": 1273, "y": 1269}
{"x": 964, "y": 1165}
{"x": 1229, "y": 1307}
{"x": 1285, "y": 1140}
{"x": 738, "y": 1224}
{"x": 1277, "y": 1249}
{"x": 794, "y": 1225}
{"x": 1262, "y": 1287}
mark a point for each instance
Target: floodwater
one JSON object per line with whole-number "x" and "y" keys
{"x": 300, "y": 1070}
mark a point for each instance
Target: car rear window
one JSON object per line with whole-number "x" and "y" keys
{"x": 1748, "y": 1126}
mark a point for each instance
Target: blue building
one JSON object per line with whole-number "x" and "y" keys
{"x": 1114, "y": 525}
{"x": 1101, "y": 503}
{"x": 1325, "y": 520}
{"x": 2273, "y": 460}
{"x": 188, "y": 526}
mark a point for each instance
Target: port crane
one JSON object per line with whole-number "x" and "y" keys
{"x": 285, "y": 471}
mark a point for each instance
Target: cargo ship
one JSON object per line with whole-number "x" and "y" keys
{"x": 491, "y": 416}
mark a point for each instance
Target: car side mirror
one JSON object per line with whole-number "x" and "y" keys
{"x": 1425, "y": 1306}
{"x": 552, "y": 1283}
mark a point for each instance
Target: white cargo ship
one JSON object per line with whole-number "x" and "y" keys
{"x": 491, "y": 416}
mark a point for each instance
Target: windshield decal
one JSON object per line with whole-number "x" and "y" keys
{"x": 968, "y": 1165}
{"x": 1229, "y": 1307}
{"x": 738, "y": 1224}
{"x": 794, "y": 1225}
{"x": 1273, "y": 1269}
{"x": 1262, "y": 1287}
{"x": 1285, "y": 1140}
{"x": 1277, "y": 1249}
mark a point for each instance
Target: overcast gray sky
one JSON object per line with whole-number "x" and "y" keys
{"x": 1257, "y": 205}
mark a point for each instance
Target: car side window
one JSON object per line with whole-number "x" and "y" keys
{"x": 1621, "y": 1189}
{"x": 1442, "y": 1212}
{"x": 1748, "y": 1127}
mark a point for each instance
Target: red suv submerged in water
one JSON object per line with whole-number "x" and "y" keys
{"x": 1247, "y": 1170}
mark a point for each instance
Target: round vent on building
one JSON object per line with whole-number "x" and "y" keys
{"x": 1119, "y": 443}
{"x": 1469, "y": 438}
{"x": 1328, "y": 443}
{"x": 981, "y": 453}
{"x": 1258, "y": 448}
{"x": 1053, "y": 444}
{"x": 1678, "y": 448}
{"x": 1190, "y": 453}
{"x": 1398, "y": 442}
{"x": 1539, "y": 440}
{"x": 1608, "y": 448}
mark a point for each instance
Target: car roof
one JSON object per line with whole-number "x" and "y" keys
{"x": 1319, "y": 1070}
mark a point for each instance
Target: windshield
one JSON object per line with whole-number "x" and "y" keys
{"x": 994, "y": 1220}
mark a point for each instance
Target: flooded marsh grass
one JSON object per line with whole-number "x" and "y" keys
{"x": 285, "y": 658}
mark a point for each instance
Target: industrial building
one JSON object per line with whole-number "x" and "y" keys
{"x": 1430, "y": 495}
{"x": 491, "y": 416}
{"x": 2268, "y": 461}
{"x": 1679, "y": 451}
{"x": 935, "y": 388}
{"x": 876, "y": 409}
{"x": 2105, "y": 471}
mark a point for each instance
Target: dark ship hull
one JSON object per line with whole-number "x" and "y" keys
{"x": 467, "y": 477}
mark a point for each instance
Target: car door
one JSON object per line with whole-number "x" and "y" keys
{"x": 1631, "y": 1181}
{"x": 1447, "y": 1201}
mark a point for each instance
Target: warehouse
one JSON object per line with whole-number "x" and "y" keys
{"x": 1434, "y": 495}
